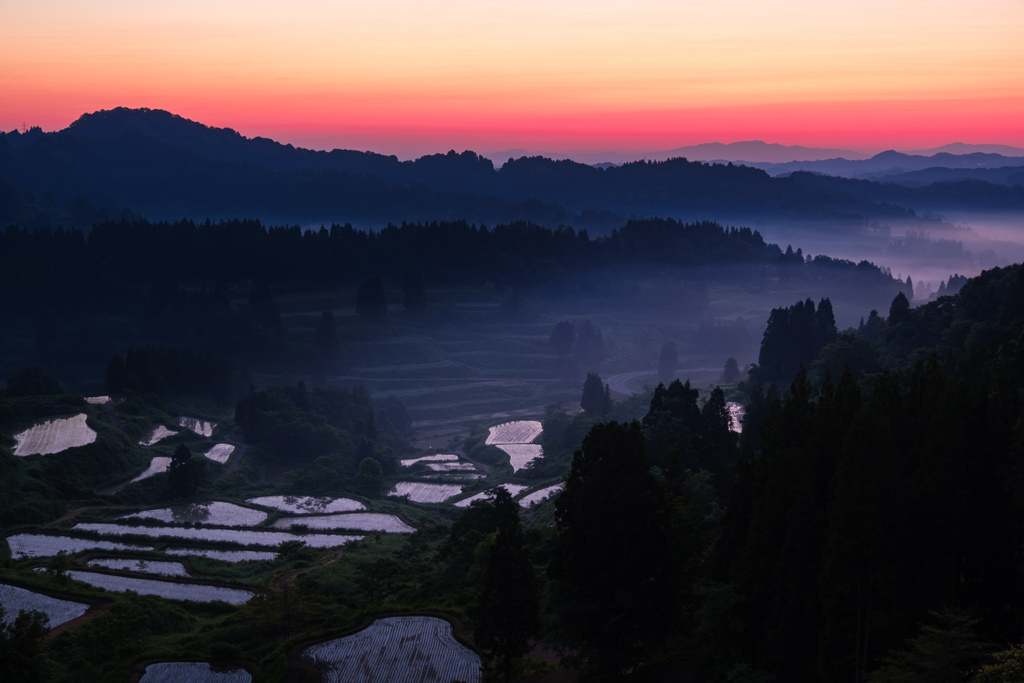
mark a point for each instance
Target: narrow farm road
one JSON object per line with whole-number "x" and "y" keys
{"x": 280, "y": 581}
{"x": 67, "y": 517}
{"x": 618, "y": 382}
{"x": 237, "y": 457}
{"x": 117, "y": 420}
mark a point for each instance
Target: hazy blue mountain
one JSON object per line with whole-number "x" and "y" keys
{"x": 968, "y": 148}
{"x": 750, "y": 150}
{"x": 164, "y": 166}
{"x": 891, "y": 163}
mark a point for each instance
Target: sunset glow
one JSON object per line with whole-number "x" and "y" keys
{"x": 410, "y": 77}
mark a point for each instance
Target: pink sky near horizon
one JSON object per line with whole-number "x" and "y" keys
{"x": 410, "y": 78}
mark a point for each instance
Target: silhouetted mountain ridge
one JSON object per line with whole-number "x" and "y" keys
{"x": 166, "y": 166}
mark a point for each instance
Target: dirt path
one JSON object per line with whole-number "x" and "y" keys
{"x": 117, "y": 420}
{"x": 280, "y": 581}
{"x": 237, "y": 457}
{"x": 485, "y": 467}
{"x": 618, "y": 382}
{"x": 74, "y": 513}
{"x": 96, "y": 610}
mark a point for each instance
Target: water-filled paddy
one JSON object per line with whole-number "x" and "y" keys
{"x": 164, "y": 589}
{"x": 420, "y": 492}
{"x": 157, "y": 465}
{"x": 40, "y": 545}
{"x": 220, "y": 452}
{"x": 57, "y": 611}
{"x": 439, "y": 457}
{"x": 207, "y": 512}
{"x": 360, "y": 521}
{"x": 161, "y": 568}
{"x": 308, "y": 504}
{"x": 520, "y": 431}
{"x": 521, "y": 454}
{"x": 514, "y": 489}
{"x": 191, "y": 672}
{"x": 240, "y": 536}
{"x": 540, "y": 494}
{"x": 225, "y": 555}
{"x": 54, "y": 436}
{"x": 158, "y": 434}
{"x": 200, "y": 427}
{"x": 396, "y": 649}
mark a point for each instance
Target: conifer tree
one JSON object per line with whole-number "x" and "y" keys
{"x": 508, "y": 610}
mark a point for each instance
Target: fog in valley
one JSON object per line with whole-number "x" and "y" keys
{"x": 277, "y": 414}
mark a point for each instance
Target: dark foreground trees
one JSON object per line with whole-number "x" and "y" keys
{"x": 508, "y": 610}
{"x": 614, "y": 572}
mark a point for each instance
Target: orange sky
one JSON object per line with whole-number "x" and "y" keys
{"x": 408, "y": 77}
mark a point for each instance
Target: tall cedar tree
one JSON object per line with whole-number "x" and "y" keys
{"x": 612, "y": 570}
{"x": 595, "y": 398}
{"x": 185, "y": 473}
{"x": 508, "y": 610}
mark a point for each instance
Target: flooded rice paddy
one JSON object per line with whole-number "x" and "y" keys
{"x": 420, "y": 649}
{"x": 196, "y": 592}
{"x": 54, "y": 436}
{"x": 308, "y": 504}
{"x": 217, "y": 513}
{"x": 57, "y": 611}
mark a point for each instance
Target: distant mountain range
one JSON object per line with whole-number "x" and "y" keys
{"x": 967, "y": 148}
{"x": 754, "y": 152}
{"x": 161, "y": 165}
{"x": 891, "y": 164}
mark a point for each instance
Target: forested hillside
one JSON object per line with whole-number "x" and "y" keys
{"x": 109, "y": 163}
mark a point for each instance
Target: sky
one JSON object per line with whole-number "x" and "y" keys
{"x": 411, "y": 77}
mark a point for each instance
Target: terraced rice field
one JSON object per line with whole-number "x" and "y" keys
{"x": 191, "y": 672}
{"x": 200, "y": 427}
{"x": 458, "y": 475}
{"x": 157, "y": 465}
{"x": 540, "y": 494}
{"x": 520, "y": 431}
{"x": 514, "y": 489}
{"x": 311, "y": 505}
{"x": 451, "y": 467}
{"x": 220, "y": 452}
{"x": 54, "y": 436}
{"x": 196, "y": 592}
{"x": 439, "y": 457}
{"x": 158, "y": 567}
{"x": 203, "y": 535}
{"x": 409, "y": 649}
{"x": 39, "y": 545}
{"x": 57, "y": 611}
{"x": 209, "y": 512}
{"x": 359, "y": 521}
{"x": 158, "y": 434}
{"x": 225, "y": 555}
{"x": 420, "y": 492}
{"x": 521, "y": 454}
